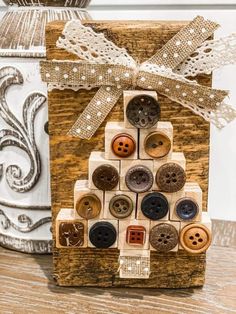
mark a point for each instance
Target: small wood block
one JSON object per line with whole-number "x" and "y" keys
{"x": 191, "y": 190}
{"x": 110, "y": 194}
{"x": 176, "y": 157}
{"x": 125, "y": 165}
{"x": 76, "y": 230}
{"x": 123, "y": 228}
{"x": 173, "y": 223}
{"x": 113, "y": 222}
{"x": 164, "y": 127}
{"x": 113, "y": 129}
{"x": 130, "y": 94}
{"x": 97, "y": 159}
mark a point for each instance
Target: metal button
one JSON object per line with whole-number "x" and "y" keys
{"x": 88, "y": 206}
{"x": 121, "y": 206}
{"x": 139, "y": 179}
{"x": 170, "y": 177}
{"x": 157, "y": 145}
{"x": 164, "y": 237}
{"x": 102, "y": 234}
{"x": 71, "y": 234}
{"x": 143, "y": 111}
{"x": 123, "y": 145}
{"x": 186, "y": 208}
{"x": 195, "y": 238}
{"x": 136, "y": 235}
{"x": 105, "y": 177}
{"x": 155, "y": 206}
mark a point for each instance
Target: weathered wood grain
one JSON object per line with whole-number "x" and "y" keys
{"x": 69, "y": 158}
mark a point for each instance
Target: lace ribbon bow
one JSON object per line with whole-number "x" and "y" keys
{"x": 102, "y": 64}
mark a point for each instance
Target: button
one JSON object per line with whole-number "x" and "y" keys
{"x": 154, "y": 206}
{"x": 88, "y": 206}
{"x": 143, "y": 111}
{"x": 71, "y": 234}
{"x": 102, "y": 234}
{"x": 157, "y": 145}
{"x": 123, "y": 145}
{"x": 164, "y": 237}
{"x": 139, "y": 179}
{"x": 121, "y": 206}
{"x": 186, "y": 208}
{"x": 105, "y": 177}
{"x": 195, "y": 238}
{"x": 170, "y": 177}
{"x": 136, "y": 235}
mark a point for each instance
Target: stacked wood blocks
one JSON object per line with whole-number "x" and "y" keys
{"x": 137, "y": 197}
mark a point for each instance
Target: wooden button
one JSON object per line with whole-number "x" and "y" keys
{"x": 157, "y": 145}
{"x": 195, "y": 238}
{"x": 88, "y": 206}
{"x": 186, "y": 208}
{"x": 164, "y": 237}
{"x": 123, "y": 145}
{"x": 105, "y": 177}
{"x": 136, "y": 235}
{"x": 102, "y": 234}
{"x": 121, "y": 206}
{"x": 143, "y": 111}
{"x": 139, "y": 179}
{"x": 170, "y": 177}
{"x": 71, "y": 234}
{"x": 155, "y": 206}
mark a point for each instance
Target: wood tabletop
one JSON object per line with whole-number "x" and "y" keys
{"x": 26, "y": 286}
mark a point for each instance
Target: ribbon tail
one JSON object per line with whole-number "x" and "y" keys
{"x": 95, "y": 112}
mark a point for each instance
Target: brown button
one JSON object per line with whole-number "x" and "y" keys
{"x": 139, "y": 179}
{"x": 88, "y": 206}
{"x": 123, "y": 145}
{"x": 136, "y": 235}
{"x": 195, "y": 238}
{"x": 157, "y": 145}
{"x": 164, "y": 237}
{"x": 143, "y": 111}
{"x": 170, "y": 177}
{"x": 71, "y": 234}
{"x": 121, "y": 206}
{"x": 105, "y": 177}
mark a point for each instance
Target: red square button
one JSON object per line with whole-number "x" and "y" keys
{"x": 136, "y": 235}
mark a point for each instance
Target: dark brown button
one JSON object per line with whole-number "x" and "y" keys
{"x": 170, "y": 177}
{"x": 143, "y": 111}
{"x": 88, "y": 206}
{"x": 121, "y": 206}
{"x": 186, "y": 208}
{"x": 157, "y": 145}
{"x": 139, "y": 179}
{"x": 136, "y": 235}
{"x": 71, "y": 234}
{"x": 164, "y": 237}
{"x": 123, "y": 145}
{"x": 195, "y": 238}
{"x": 105, "y": 177}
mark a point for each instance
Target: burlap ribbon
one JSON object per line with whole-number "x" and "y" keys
{"x": 110, "y": 68}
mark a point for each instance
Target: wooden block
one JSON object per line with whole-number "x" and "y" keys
{"x": 176, "y": 157}
{"x": 125, "y": 165}
{"x": 97, "y": 159}
{"x": 173, "y": 223}
{"x": 113, "y": 129}
{"x": 124, "y": 235}
{"x": 191, "y": 190}
{"x": 165, "y": 128}
{"x": 81, "y": 189}
{"x": 108, "y": 197}
{"x": 113, "y": 222}
{"x": 130, "y": 94}
{"x": 71, "y": 232}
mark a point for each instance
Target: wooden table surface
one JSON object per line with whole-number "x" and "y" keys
{"x": 26, "y": 286}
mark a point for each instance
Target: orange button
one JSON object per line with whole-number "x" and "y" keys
{"x": 123, "y": 145}
{"x": 135, "y": 235}
{"x": 157, "y": 145}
